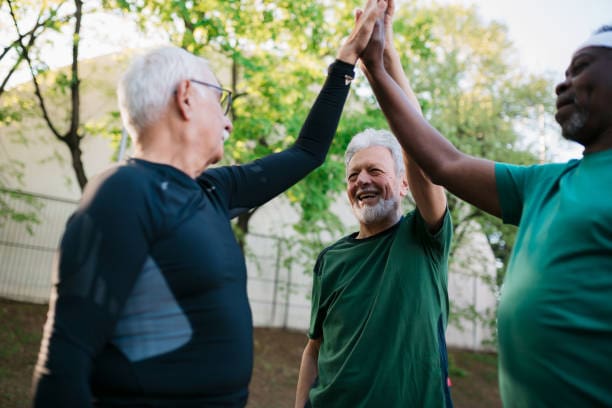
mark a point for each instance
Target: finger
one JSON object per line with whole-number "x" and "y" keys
{"x": 369, "y": 4}
{"x": 358, "y": 14}
{"x": 390, "y": 8}
{"x": 374, "y": 11}
{"x": 382, "y": 7}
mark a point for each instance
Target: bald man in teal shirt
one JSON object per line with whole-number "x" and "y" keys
{"x": 555, "y": 311}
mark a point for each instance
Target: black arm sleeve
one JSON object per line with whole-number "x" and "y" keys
{"x": 253, "y": 184}
{"x": 101, "y": 253}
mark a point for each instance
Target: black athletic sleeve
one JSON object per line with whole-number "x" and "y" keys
{"x": 253, "y": 184}
{"x": 100, "y": 255}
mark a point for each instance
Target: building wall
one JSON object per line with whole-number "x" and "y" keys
{"x": 279, "y": 294}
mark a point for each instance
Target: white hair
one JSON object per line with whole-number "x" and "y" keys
{"x": 374, "y": 137}
{"x": 147, "y": 86}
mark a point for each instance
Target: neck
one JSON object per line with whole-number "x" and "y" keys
{"x": 371, "y": 229}
{"x": 603, "y": 142}
{"x": 165, "y": 144}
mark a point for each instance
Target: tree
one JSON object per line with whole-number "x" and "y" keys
{"x": 474, "y": 91}
{"x": 272, "y": 55}
{"x": 463, "y": 70}
{"x": 476, "y": 94}
{"x": 66, "y": 126}
{"x": 20, "y": 44}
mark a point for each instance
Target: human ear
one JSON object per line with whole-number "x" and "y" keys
{"x": 183, "y": 99}
{"x": 404, "y": 186}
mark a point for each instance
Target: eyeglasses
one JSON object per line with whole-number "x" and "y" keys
{"x": 226, "y": 95}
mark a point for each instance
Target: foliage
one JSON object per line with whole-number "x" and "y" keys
{"x": 474, "y": 92}
{"x": 18, "y": 40}
{"x": 463, "y": 70}
{"x": 274, "y": 69}
{"x": 16, "y": 207}
{"x": 54, "y": 15}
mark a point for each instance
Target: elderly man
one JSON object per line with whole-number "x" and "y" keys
{"x": 380, "y": 303}
{"x": 150, "y": 305}
{"x": 555, "y": 311}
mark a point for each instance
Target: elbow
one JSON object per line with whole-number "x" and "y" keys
{"x": 445, "y": 168}
{"x": 436, "y": 172}
{"x": 315, "y": 161}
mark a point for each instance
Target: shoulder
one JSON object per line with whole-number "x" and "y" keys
{"x": 413, "y": 228}
{"x": 342, "y": 242}
{"x": 533, "y": 173}
{"x": 121, "y": 187}
{"x": 127, "y": 176}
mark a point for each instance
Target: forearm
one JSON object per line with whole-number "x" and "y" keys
{"x": 70, "y": 338}
{"x": 307, "y": 376}
{"x": 321, "y": 123}
{"x": 429, "y": 198}
{"x": 255, "y": 183}
{"x": 62, "y": 383}
{"x": 420, "y": 141}
{"x": 467, "y": 177}
{"x": 394, "y": 67}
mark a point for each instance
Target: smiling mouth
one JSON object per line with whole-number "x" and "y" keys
{"x": 366, "y": 196}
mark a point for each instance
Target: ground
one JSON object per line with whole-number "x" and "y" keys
{"x": 277, "y": 357}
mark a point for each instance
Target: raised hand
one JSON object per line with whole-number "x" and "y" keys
{"x": 372, "y": 55}
{"x": 390, "y": 55}
{"x": 360, "y": 36}
{"x": 390, "y": 51}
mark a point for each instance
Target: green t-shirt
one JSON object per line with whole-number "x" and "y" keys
{"x": 380, "y": 305}
{"x": 555, "y": 312}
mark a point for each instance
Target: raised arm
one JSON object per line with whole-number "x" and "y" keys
{"x": 430, "y": 198}
{"x": 467, "y": 177}
{"x": 253, "y": 184}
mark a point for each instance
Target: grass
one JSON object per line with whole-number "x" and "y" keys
{"x": 277, "y": 358}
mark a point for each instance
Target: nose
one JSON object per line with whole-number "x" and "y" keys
{"x": 363, "y": 178}
{"x": 562, "y": 86}
{"x": 228, "y": 126}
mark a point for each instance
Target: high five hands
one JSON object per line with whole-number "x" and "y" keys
{"x": 379, "y": 50}
{"x": 373, "y": 12}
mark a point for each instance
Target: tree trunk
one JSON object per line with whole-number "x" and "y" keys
{"x": 77, "y": 163}
{"x": 243, "y": 227}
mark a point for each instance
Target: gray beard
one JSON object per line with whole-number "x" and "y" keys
{"x": 381, "y": 211}
{"x": 572, "y": 127}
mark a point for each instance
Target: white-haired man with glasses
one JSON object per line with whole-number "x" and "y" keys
{"x": 150, "y": 305}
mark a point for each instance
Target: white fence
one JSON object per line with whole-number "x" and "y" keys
{"x": 279, "y": 295}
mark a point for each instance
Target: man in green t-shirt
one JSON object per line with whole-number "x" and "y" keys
{"x": 380, "y": 303}
{"x": 555, "y": 311}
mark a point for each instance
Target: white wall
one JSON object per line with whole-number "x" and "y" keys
{"x": 273, "y": 303}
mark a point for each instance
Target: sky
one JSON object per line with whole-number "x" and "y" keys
{"x": 546, "y": 32}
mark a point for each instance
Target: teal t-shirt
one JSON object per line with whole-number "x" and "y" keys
{"x": 555, "y": 312}
{"x": 380, "y": 305}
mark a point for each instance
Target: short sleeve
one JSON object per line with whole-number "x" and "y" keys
{"x": 511, "y": 181}
{"x": 317, "y": 314}
{"x": 438, "y": 242}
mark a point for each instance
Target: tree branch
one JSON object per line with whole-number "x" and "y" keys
{"x": 26, "y": 56}
{"x": 38, "y": 25}
{"x": 74, "y": 83}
